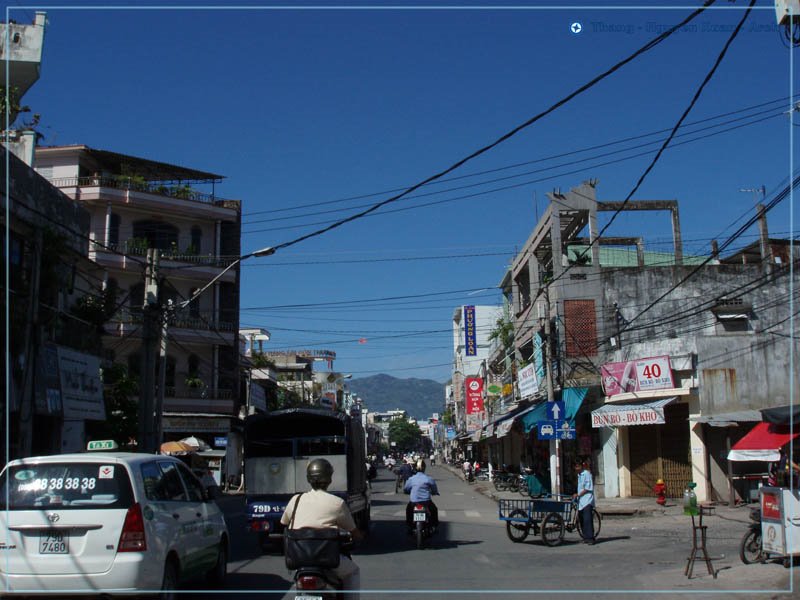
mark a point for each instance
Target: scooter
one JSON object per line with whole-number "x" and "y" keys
{"x": 750, "y": 548}
{"x": 423, "y": 529}
{"x": 315, "y": 583}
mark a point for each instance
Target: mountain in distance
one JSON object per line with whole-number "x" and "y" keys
{"x": 420, "y": 398}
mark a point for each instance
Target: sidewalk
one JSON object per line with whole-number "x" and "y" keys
{"x": 619, "y": 507}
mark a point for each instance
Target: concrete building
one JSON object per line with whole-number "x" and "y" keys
{"x": 710, "y": 327}
{"x": 472, "y": 327}
{"x": 136, "y": 204}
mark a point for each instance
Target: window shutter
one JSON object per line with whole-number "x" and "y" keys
{"x": 580, "y": 324}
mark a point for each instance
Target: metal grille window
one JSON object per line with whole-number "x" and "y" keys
{"x": 580, "y": 324}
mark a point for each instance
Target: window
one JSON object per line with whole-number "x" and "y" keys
{"x": 194, "y": 487}
{"x": 136, "y": 298}
{"x": 66, "y": 486}
{"x": 194, "y": 364}
{"x": 580, "y": 325}
{"x": 197, "y": 238}
{"x": 158, "y": 234}
{"x": 151, "y": 477}
{"x": 170, "y": 483}
{"x": 113, "y": 230}
{"x": 194, "y": 305}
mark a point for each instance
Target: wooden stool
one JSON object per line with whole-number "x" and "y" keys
{"x": 699, "y": 535}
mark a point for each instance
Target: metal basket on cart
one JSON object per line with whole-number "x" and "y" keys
{"x": 548, "y": 517}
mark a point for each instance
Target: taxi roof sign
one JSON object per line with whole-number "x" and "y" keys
{"x": 102, "y": 445}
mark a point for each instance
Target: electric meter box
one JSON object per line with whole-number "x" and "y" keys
{"x": 787, "y": 11}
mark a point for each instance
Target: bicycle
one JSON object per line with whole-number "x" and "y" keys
{"x": 557, "y": 524}
{"x": 547, "y": 517}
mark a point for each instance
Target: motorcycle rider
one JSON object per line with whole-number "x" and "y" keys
{"x": 422, "y": 488}
{"x": 322, "y": 510}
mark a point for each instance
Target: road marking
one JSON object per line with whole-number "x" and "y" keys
{"x": 442, "y": 513}
{"x": 458, "y": 493}
{"x": 399, "y": 513}
{"x": 472, "y": 513}
{"x": 482, "y": 558}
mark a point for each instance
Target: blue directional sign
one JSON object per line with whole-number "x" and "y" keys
{"x": 555, "y": 410}
{"x": 546, "y": 430}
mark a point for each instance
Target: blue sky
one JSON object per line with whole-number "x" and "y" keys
{"x": 304, "y": 107}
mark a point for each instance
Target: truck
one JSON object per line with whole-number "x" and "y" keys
{"x": 277, "y": 448}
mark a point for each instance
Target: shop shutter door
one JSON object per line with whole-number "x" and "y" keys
{"x": 661, "y": 451}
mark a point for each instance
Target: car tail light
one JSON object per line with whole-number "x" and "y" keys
{"x": 132, "y": 537}
{"x": 310, "y": 582}
{"x": 419, "y": 507}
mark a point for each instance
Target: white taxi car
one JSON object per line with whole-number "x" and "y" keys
{"x": 110, "y": 522}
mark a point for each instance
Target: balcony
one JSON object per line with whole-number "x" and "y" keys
{"x": 133, "y": 316}
{"x": 178, "y": 192}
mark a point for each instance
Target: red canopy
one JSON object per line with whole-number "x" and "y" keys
{"x": 763, "y": 443}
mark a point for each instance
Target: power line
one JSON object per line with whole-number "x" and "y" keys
{"x": 650, "y": 45}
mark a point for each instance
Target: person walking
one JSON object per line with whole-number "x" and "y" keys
{"x": 586, "y": 502}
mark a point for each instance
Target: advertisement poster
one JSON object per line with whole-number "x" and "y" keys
{"x": 474, "y": 387}
{"x": 639, "y": 375}
{"x": 470, "y": 338}
{"x": 81, "y": 386}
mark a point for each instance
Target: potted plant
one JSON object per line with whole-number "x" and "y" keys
{"x": 193, "y": 381}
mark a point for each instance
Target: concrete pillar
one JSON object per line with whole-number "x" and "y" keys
{"x": 609, "y": 438}
{"x": 699, "y": 454}
{"x": 624, "y": 462}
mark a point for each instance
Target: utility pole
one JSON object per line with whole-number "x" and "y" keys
{"x": 151, "y": 330}
{"x": 555, "y": 445}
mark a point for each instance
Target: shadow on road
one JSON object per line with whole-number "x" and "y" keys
{"x": 390, "y": 537}
{"x": 260, "y": 583}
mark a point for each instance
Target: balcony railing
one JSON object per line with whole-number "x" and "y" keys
{"x": 177, "y": 192}
{"x": 136, "y": 247}
{"x": 198, "y": 393}
{"x": 130, "y": 315}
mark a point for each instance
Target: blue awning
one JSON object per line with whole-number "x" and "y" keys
{"x": 572, "y": 398}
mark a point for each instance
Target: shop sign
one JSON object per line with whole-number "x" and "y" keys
{"x": 639, "y": 375}
{"x": 81, "y": 386}
{"x": 629, "y": 416}
{"x": 528, "y": 382}
{"x": 474, "y": 387}
{"x": 470, "y": 337}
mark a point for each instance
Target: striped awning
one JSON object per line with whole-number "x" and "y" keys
{"x": 623, "y": 415}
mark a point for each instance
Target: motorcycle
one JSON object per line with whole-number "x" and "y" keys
{"x": 316, "y": 583}
{"x": 750, "y": 548}
{"x": 423, "y": 528}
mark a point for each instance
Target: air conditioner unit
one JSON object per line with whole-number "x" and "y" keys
{"x": 787, "y": 11}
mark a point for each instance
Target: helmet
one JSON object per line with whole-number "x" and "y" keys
{"x": 319, "y": 473}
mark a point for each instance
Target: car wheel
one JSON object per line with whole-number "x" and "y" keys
{"x": 217, "y": 575}
{"x": 170, "y": 581}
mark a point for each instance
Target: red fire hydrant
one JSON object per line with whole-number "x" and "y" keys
{"x": 661, "y": 492}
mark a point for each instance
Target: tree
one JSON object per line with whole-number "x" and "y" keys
{"x": 406, "y": 435}
{"x": 122, "y": 411}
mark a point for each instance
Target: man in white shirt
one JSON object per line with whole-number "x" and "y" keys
{"x": 322, "y": 510}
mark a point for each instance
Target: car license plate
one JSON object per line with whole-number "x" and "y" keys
{"x": 54, "y": 541}
{"x": 420, "y": 516}
{"x": 307, "y": 597}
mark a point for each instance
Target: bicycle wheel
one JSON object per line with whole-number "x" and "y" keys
{"x": 513, "y": 485}
{"x": 523, "y": 487}
{"x": 750, "y": 548}
{"x": 501, "y": 483}
{"x": 597, "y": 521}
{"x": 516, "y": 530}
{"x": 553, "y": 529}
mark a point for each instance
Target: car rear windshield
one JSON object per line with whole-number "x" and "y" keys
{"x": 65, "y": 485}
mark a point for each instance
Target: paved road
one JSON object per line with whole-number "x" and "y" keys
{"x": 472, "y": 554}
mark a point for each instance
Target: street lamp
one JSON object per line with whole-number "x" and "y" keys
{"x": 150, "y": 422}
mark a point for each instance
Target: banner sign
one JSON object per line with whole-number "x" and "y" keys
{"x": 628, "y": 415}
{"x": 451, "y": 432}
{"x": 470, "y": 339}
{"x": 474, "y": 395}
{"x": 474, "y": 422}
{"x": 81, "y": 385}
{"x": 528, "y": 382}
{"x": 637, "y": 375}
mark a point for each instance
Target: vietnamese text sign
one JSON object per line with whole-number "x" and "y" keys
{"x": 474, "y": 387}
{"x": 528, "y": 382}
{"x": 637, "y": 375}
{"x": 81, "y": 386}
{"x": 470, "y": 339}
{"x": 629, "y": 415}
